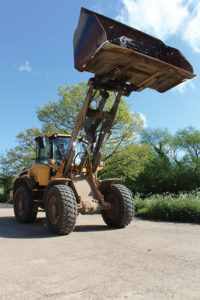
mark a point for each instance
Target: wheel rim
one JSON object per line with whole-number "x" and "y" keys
{"x": 20, "y": 204}
{"x": 54, "y": 210}
{"x": 115, "y": 206}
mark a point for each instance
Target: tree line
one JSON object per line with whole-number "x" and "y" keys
{"x": 173, "y": 165}
{"x": 148, "y": 161}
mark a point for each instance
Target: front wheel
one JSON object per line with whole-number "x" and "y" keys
{"x": 122, "y": 209}
{"x": 24, "y": 205}
{"x": 61, "y": 209}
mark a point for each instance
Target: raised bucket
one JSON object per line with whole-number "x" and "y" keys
{"x": 118, "y": 52}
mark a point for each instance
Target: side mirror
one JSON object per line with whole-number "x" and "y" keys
{"x": 41, "y": 141}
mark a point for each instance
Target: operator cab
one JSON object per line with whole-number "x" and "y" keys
{"x": 52, "y": 148}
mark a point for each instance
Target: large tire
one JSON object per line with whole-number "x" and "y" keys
{"x": 24, "y": 205}
{"x": 122, "y": 211}
{"x": 61, "y": 209}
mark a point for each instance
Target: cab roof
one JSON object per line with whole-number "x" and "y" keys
{"x": 53, "y": 134}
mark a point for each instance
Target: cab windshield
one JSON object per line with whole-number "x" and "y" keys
{"x": 60, "y": 147}
{"x": 56, "y": 148}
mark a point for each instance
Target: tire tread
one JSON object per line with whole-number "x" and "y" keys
{"x": 67, "y": 221}
{"x": 126, "y": 214}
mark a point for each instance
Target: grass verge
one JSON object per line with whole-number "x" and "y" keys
{"x": 182, "y": 208}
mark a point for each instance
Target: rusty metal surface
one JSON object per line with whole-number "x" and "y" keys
{"x": 120, "y": 53}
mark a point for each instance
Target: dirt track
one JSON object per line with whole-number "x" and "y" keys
{"x": 147, "y": 260}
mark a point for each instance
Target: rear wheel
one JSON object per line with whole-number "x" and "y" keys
{"x": 24, "y": 205}
{"x": 61, "y": 209}
{"x": 121, "y": 212}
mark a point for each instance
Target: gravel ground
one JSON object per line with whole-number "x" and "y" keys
{"x": 146, "y": 260}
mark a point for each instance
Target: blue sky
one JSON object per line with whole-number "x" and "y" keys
{"x": 36, "y": 56}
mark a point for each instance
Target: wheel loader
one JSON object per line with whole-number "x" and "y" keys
{"x": 62, "y": 181}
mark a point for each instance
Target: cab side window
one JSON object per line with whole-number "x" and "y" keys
{"x": 44, "y": 153}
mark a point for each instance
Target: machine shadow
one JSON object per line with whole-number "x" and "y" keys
{"x": 9, "y": 228}
{"x": 91, "y": 228}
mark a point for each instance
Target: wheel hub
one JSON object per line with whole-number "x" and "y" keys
{"x": 54, "y": 210}
{"x": 20, "y": 205}
{"x": 114, "y": 208}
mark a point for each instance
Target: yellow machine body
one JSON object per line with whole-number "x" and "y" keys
{"x": 62, "y": 181}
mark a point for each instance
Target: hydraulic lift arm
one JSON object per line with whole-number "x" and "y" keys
{"x": 90, "y": 120}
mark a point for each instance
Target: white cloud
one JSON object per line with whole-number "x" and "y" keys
{"x": 26, "y": 67}
{"x": 143, "y": 119}
{"x": 192, "y": 34}
{"x": 181, "y": 88}
{"x": 164, "y": 18}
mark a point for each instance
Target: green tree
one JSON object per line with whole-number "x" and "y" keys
{"x": 6, "y": 183}
{"x": 22, "y": 155}
{"x": 59, "y": 116}
{"x": 188, "y": 141}
{"x": 159, "y": 139}
{"x": 174, "y": 167}
{"x": 155, "y": 178}
{"x": 127, "y": 163}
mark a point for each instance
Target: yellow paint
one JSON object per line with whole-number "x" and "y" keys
{"x": 40, "y": 173}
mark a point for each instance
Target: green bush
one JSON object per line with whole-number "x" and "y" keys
{"x": 4, "y": 198}
{"x": 184, "y": 208}
{"x": 140, "y": 203}
{"x": 6, "y": 183}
